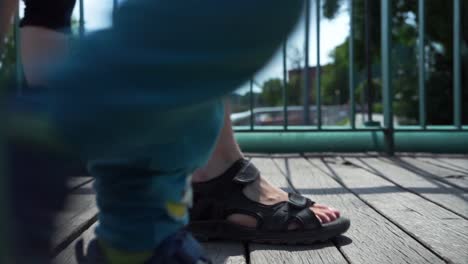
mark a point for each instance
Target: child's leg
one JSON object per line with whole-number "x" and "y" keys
{"x": 140, "y": 101}
{"x": 143, "y": 191}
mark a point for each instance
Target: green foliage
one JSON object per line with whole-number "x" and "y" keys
{"x": 335, "y": 81}
{"x": 272, "y": 93}
{"x": 331, "y": 8}
{"x": 7, "y": 62}
{"x": 439, "y": 50}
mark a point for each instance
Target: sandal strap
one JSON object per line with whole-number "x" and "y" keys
{"x": 247, "y": 174}
{"x": 307, "y": 219}
{"x": 223, "y": 196}
{"x": 299, "y": 201}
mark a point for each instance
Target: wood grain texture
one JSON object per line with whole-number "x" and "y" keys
{"x": 76, "y": 182}
{"x": 457, "y": 179}
{"x": 459, "y": 163}
{"x": 445, "y": 195}
{"x": 220, "y": 253}
{"x": 225, "y": 252}
{"x": 371, "y": 237}
{"x": 67, "y": 256}
{"x": 273, "y": 254}
{"x": 455, "y": 164}
{"x": 80, "y": 212}
{"x": 261, "y": 254}
{"x": 435, "y": 227}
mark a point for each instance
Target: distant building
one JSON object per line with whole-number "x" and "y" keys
{"x": 296, "y": 77}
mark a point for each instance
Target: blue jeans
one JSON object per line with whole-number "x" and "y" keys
{"x": 142, "y": 102}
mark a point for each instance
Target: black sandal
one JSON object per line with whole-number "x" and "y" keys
{"x": 215, "y": 200}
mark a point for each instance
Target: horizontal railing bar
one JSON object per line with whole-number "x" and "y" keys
{"x": 449, "y": 128}
{"x": 344, "y": 141}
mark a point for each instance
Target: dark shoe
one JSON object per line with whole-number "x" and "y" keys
{"x": 180, "y": 248}
{"x": 216, "y": 199}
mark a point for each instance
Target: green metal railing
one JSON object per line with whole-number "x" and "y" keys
{"x": 384, "y": 137}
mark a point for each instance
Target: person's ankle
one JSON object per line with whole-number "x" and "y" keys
{"x": 215, "y": 167}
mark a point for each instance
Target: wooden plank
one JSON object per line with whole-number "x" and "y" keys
{"x": 443, "y": 164}
{"x": 76, "y": 182}
{"x": 226, "y": 253}
{"x": 461, "y": 163}
{"x": 455, "y": 163}
{"x": 435, "y": 227}
{"x": 79, "y": 214}
{"x": 67, "y": 256}
{"x": 223, "y": 253}
{"x": 442, "y": 194}
{"x": 456, "y": 179}
{"x": 371, "y": 238}
{"x": 271, "y": 254}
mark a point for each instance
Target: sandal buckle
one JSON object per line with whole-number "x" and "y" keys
{"x": 248, "y": 174}
{"x": 297, "y": 200}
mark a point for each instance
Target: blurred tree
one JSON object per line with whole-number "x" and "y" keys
{"x": 272, "y": 93}
{"x": 7, "y": 62}
{"x": 439, "y": 50}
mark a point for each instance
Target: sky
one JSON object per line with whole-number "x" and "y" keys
{"x": 333, "y": 32}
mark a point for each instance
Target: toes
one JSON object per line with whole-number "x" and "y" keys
{"x": 322, "y": 217}
{"x": 335, "y": 213}
{"x": 331, "y": 215}
{"x": 325, "y": 214}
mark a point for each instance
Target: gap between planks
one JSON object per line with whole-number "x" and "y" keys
{"x": 275, "y": 254}
{"x": 371, "y": 238}
{"x": 79, "y": 214}
{"x": 220, "y": 253}
{"x": 446, "y": 196}
{"x": 436, "y": 228}
{"x": 450, "y": 177}
{"x": 78, "y": 221}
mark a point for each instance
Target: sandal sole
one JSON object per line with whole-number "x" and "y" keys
{"x": 224, "y": 230}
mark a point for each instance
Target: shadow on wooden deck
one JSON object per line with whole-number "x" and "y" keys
{"x": 404, "y": 209}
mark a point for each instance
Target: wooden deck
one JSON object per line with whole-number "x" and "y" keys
{"x": 406, "y": 209}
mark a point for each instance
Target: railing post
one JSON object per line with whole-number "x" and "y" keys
{"x": 457, "y": 95}
{"x": 306, "y": 65}
{"x": 81, "y": 19}
{"x": 369, "y": 86}
{"x": 115, "y": 5}
{"x": 387, "y": 74}
{"x": 352, "y": 117}
{"x": 252, "y": 117}
{"x": 422, "y": 63}
{"x": 18, "y": 65}
{"x": 285, "y": 85}
{"x": 318, "y": 71}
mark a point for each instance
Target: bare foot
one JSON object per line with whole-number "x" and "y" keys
{"x": 263, "y": 192}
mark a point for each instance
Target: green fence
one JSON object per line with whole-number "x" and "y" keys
{"x": 383, "y": 136}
